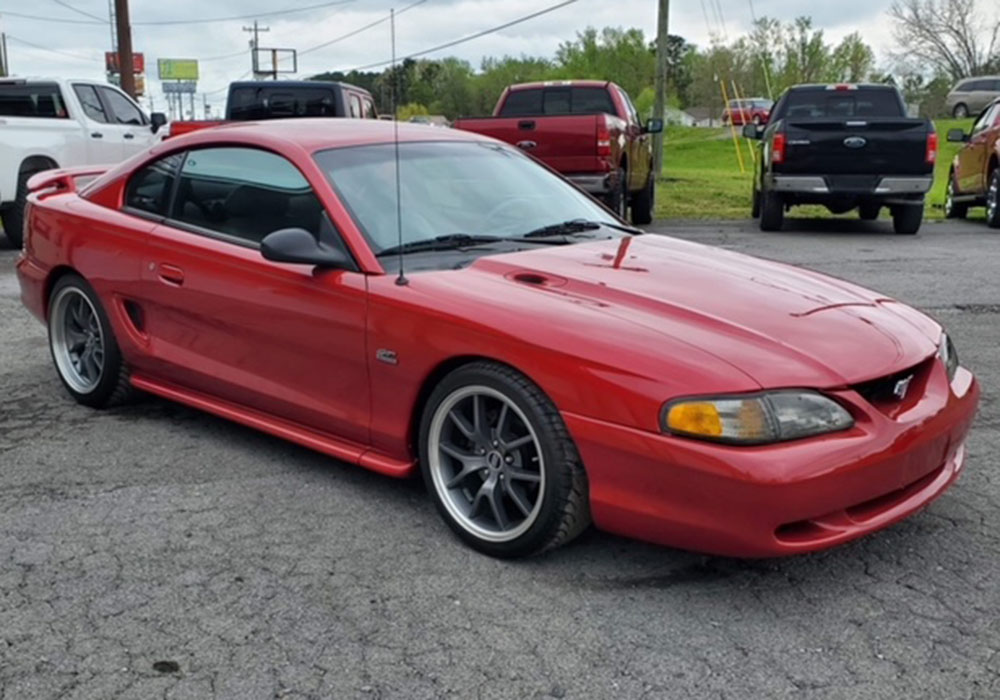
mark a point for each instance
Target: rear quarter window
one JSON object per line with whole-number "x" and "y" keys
{"x": 42, "y": 100}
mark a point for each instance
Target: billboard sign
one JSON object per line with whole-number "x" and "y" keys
{"x": 112, "y": 63}
{"x": 177, "y": 68}
{"x": 180, "y": 87}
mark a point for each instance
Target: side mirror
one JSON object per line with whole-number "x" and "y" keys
{"x": 751, "y": 131}
{"x": 957, "y": 135}
{"x": 157, "y": 120}
{"x": 296, "y": 245}
{"x": 653, "y": 126}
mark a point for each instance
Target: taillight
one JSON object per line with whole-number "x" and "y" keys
{"x": 932, "y": 147}
{"x": 603, "y": 137}
{"x": 778, "y": 147}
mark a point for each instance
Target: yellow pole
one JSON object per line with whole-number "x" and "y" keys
{"x": 736, "y": 141}
{"x": 739, "y": 97}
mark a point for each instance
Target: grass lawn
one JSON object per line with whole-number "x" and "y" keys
{"x": 702, "y": 178}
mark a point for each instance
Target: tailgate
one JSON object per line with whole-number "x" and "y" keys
{"x": 566, "y": 143}
{"x": 888, "y": 146}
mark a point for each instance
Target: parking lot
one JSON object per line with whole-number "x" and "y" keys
{"x": 156, "y": 552}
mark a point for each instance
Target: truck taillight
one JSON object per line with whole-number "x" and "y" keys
{"x": 778, "y": 147}
{"x": 603, "y": 137}
{"x": 932, "y": 147}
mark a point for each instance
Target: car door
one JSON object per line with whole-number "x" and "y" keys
{"x": 103, "y": 144}
{"x": 639, "y": 149}
{"x": 972, "y": 162}
{"x": 129, "y": 124}
{"x": 287, "y": 340}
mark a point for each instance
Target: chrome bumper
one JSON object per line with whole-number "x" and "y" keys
{"x": 594, "y": 184}
{"x": 815, "y": 184}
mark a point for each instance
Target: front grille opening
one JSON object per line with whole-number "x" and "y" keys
{"x": 884, "y": 393}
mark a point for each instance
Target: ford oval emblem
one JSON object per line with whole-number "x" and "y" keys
{"x": 855, "y": 142}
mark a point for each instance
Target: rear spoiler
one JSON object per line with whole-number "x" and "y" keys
{"x": 63, "y": 180}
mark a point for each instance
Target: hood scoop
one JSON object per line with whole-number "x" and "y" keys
{"x": 534, "y": 278}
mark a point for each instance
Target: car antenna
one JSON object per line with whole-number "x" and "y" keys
{"x": 401, "y": 279}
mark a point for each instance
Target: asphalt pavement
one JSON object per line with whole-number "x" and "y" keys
{"x": 156, "y": 552}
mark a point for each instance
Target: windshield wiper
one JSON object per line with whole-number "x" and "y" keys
{"x": 572, "y": 226}
{"x": 449, "y": 241}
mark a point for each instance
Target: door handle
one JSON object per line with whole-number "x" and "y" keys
{"x": 96, "y": 135}
{"x": 129, "y": 136}
{"x": 172, "y": 275}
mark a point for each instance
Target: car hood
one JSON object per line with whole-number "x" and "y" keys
{"x": 783, "y": 326}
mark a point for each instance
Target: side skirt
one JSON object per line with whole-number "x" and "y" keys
{"x": 314, "y": 440}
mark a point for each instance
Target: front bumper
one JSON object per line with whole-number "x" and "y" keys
{"x": 851, "y": 185}
{"x": 786, "y": 498}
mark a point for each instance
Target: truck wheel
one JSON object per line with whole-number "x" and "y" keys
{"x": 617, "y": 199}
{"x": 993, "y": 200}
{"x": 643, "y": 203}
{"x": 953, "y": 209}
{"x": 960, "y": 111}
{"x": 869, "y": 212}
{"x": 906, "y": 219}
{"x": 755, "y": 203}
{"x": 772, "y": 211}
{"x": 13, "y": 216}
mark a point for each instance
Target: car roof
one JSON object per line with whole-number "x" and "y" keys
{"x": 858, "y": 86}
{"x": 319, "y": 133}
{"x": 560, "y": 83}
{"x": 294, "y": 84}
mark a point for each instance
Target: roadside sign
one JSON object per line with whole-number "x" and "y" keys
{"x": 112, "y": 62}
{"x": 180, "y": 87}
{"x": 177, "y": 68}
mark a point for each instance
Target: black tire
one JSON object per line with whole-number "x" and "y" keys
{"x": 993, "y": 200}
{"x": 953, "y": 209}
{"x": 960, "y": 111}
{"x": 560, "y": 505}
{"x": 755, "y": 203}
{"x": 869, "y": 212}
{"x": 617, "y": 199}
{"x": 13, "y": 216}
{"x": 772, "y": 211}
{"x": 643, "y": 203}
{"x": 113, "y": 387}
{"x": 906, "y": 219}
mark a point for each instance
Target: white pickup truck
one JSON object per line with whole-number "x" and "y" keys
{"x": 56, "y": 123}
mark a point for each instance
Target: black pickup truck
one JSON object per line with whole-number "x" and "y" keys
{"x": 844, "y": 147}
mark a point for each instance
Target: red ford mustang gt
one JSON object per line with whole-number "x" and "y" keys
{"x": 542, "y": 364}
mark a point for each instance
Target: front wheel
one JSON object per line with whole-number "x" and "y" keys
{"x": 83, "y": 345}
{"x": 906, "y": 219}
{"x": 993, "y": 200}
{"x": 13, "y": 215}
{"x": 643, "y": 203}
{"x": 499, "y": 463}
{"x": 953, "y": 209}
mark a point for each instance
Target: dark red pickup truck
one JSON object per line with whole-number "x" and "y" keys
{"x": 588, "y": 130}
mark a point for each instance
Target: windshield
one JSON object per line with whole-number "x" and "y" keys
{"x": 474, "y": 188}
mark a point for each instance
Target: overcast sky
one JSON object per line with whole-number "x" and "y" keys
{"x": 81, "y": 44}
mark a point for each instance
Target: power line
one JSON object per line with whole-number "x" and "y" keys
{"x": 172, "y": 22}
{"x": 55, "y": 51}
{"x": 477, "y": 35}
{"x": 359, "y": 29}
{"x": 79, "y": 11}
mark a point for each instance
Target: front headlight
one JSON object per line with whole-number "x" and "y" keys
{"x": 755, "y": 419}
{"x": 949, "y": 356}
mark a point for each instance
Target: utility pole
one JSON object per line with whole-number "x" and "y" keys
{"x": 659, "y": 107}
{"x": 254, "y": 43}
{"x": 125, "y": 66}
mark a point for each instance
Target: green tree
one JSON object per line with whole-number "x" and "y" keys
{"x": 852, "y": 61}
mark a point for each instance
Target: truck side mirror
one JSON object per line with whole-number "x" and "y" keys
{"x": 957, "y": 135}
{"x": 157, "y": 120}
{"x": 751, "y": 131}
{"x": 653, "y": 126}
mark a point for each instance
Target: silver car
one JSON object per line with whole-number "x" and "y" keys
{"x": 970, "y": 96}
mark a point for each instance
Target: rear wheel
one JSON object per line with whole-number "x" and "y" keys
{"x": 499, "y": 463}
{"x": 772, "y": 211}
{"x": 906, "y": 219}
{"x": 617, "y": 198}
{"x": 993, "y": 200}
{"x": 869, "y": 212}
{"x": 13, "y": 215}
{"x": 755, "y": 202}
{"x": 960, "y": 111}
{"x": 643, "y": 203}
{"x": 953, "y": 209}
{"x": 83, "y": 345}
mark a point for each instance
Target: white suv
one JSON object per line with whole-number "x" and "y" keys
{"x": 56, "y": 123}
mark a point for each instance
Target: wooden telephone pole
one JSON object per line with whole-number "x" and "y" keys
{"x": 659, "y": 107}
{"x": 125, "y": 64}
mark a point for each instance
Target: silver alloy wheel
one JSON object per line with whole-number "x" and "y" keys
{"x": 486, "y": 463}
{"x": 993, "y": 198}
{"x": 77, "y": 340}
